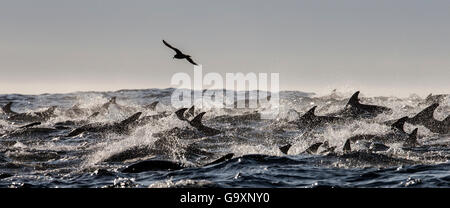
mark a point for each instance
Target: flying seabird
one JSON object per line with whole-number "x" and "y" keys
{"x": 179, "y": 54}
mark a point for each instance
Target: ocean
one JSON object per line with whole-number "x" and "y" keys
{"x": 44, "y": 156}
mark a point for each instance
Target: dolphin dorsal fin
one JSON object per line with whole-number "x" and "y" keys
{"x": 197, "y": 121}
{"x": 354, "y": 100}
{"x": 180, "y": 114}
{"x": 347, "y": 148}
{"x": 427, "y": 113}
{"x": 7, "y": 108}
{"x": 191, "y": 111}
{"x": 131, "y": 119}
{"x": 412, "y": 138}
{"x": 285, "y": 149}
{"x": 153, "y": 105}
{"x": 310, "y": 113}
{"x": 399, "y": 124}
{"x": 313, "y": 148}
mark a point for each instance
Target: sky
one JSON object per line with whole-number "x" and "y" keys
{"x": 383, "y": 47}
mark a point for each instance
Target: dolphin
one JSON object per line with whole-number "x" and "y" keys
{"x": 347, "y": 146}
{"x": 166, "y": 165}
{"x": 284, "y": 149}
{"x": 34, "y": 116}
{"x": 376, "y": 147}
{"x": 355, "y": 109}
{"x": 397, "y": 134}
{"x": 75, "y": 111}
{"x": 425, "y": 115}
{"x": 236, "y": 119}
{"x": 190, "y": 112}
{"x": 7, "y": 109}
{"x": 311, "y": 149}
{"x": 310, "y": 120}
{"x": 147, "y": 119}
{"x": 197, "y": 123}
{"x": 426, "y": 118}
{"x": 112, "y": 102}
{"x": 411, "y": 141}
{"x": 397, "y": 123}
{"x": 326, "y": 148}
{"x": 392, "y": 137}
{"x": 368, "y": 157}
{"x": 120, "y": 127}
{"x": 152, "y": 106}
{"x": 31, "y": 130}
{"x": 180, "y": 114}
{"x": 77, "y": 123}
{"x": 430, "y": 99}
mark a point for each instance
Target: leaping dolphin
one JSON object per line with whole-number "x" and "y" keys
{"x": 31, "y": 130}
{"x": 310, "y": 120}
{"x": 121, "y": 127}
{"x": 426, "y": 118}
{"x": 410, "y": 141}
{"x": 356, "y": 109}
{"x": 190, "y": 112}
{"x": 397, "y": 134}
{"x": 152, "y": 106}
{"x": 7, "y": 109}
{"x": 311, "y": 149}
{"x": 197, "y": 123}
{"x": 34, "y": 116}
{"x": 430, "y": 99}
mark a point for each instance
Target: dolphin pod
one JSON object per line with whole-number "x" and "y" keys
{"x": 409, "y": 140}
{"x": 353, "y": 110}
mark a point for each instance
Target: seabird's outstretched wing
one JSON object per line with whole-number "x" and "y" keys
{"x": 173, "y": 48}
{"x": 190, "y": 60}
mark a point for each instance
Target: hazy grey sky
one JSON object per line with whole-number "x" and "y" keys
{"x": 379, "y": 47}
